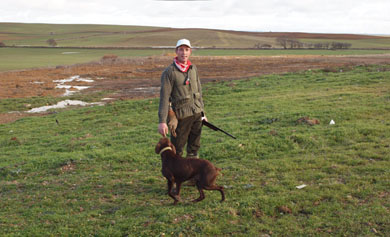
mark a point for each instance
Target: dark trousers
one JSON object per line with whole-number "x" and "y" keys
{"x": 188, "y": 131}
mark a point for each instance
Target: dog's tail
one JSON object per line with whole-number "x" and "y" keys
{"x": 219, "y": 171}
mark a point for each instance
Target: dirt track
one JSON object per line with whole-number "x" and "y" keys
{"x": 140, "y": 77}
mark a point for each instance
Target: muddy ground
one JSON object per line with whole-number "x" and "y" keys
{"x": 140, "y": 77}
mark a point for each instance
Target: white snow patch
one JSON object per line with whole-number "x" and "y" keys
{"x": 66, "y": 80}
{"x": 85, "y": 80}
{"x": 61, "y": 84}
{"x": 81, "y": 87}
{"x": 147, "y": 89}
{"x": 69, "y": 93}
{"x": 63, "y": 104}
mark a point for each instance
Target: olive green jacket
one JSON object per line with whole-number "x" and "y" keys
{"x": 183, "y": 90}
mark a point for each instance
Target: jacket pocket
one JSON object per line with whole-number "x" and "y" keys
{"x": 197, "y": 100}
{"x": 180, "y": 102}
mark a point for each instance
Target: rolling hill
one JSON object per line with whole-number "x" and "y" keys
{"x": 80, "y": 35}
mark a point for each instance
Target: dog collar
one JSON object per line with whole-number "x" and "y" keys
{"x": 165, "y": 149}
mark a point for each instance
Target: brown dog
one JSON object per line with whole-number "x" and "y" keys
{"x": 177, "y": 170}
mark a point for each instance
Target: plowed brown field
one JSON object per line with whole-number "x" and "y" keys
{"x": 140, "y": 77}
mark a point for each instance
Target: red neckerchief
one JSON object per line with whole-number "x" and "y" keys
{"x": 181, "y": 66}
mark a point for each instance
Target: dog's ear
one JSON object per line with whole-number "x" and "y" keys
{"x": 158, "y": 147}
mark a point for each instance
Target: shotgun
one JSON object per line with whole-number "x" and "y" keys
{"x": 215, "y": 128}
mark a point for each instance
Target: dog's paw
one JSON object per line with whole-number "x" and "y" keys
{"x": 177, "y": 200}
{"x": 198, "y": 199}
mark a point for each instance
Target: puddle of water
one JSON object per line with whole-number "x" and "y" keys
{"x": 69, "y": 52}
{"x": 68, "y": 92}
{"x": 147, "y": 89}
{"x": 63, "y": 104}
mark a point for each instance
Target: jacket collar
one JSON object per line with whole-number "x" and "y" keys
{"x": 177, "y": 69}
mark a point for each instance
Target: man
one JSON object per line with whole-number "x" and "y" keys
{"x": 181, "y": 98}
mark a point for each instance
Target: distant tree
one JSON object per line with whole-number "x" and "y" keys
{"x": 318, "y": 45}
{"x": 346, "y": 45}
{"x": 340, "y": 45}
{"x": 296, "y": 44}
{"x": 51, "y": 42}
{"x": 291, "y": 43}
{"x": 335, "y": 45}
{"x": 262, "y": 46}
{"x": 282, "y": 41}
{"x": 265, "y": 46}
{"x": 326, "y": 45}
{"x": 286, "y": 42}
{"x": 2, "y": 44}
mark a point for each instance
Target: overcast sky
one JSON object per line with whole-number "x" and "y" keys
{"x": 329, "y": 16}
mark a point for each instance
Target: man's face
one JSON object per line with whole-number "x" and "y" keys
{"x": 183, "y": 53}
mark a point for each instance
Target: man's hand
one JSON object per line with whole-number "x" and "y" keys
{"x": 172, "y": 123}
{"x": 163, "y": 129}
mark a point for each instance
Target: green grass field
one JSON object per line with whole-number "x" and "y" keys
{"x": 96, "y": 173}
{"x": 23, "y": 58}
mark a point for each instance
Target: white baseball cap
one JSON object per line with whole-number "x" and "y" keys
{"x": 183, "y": 42}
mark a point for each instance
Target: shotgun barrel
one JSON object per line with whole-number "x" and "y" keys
{"x": 215, "y": 128}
